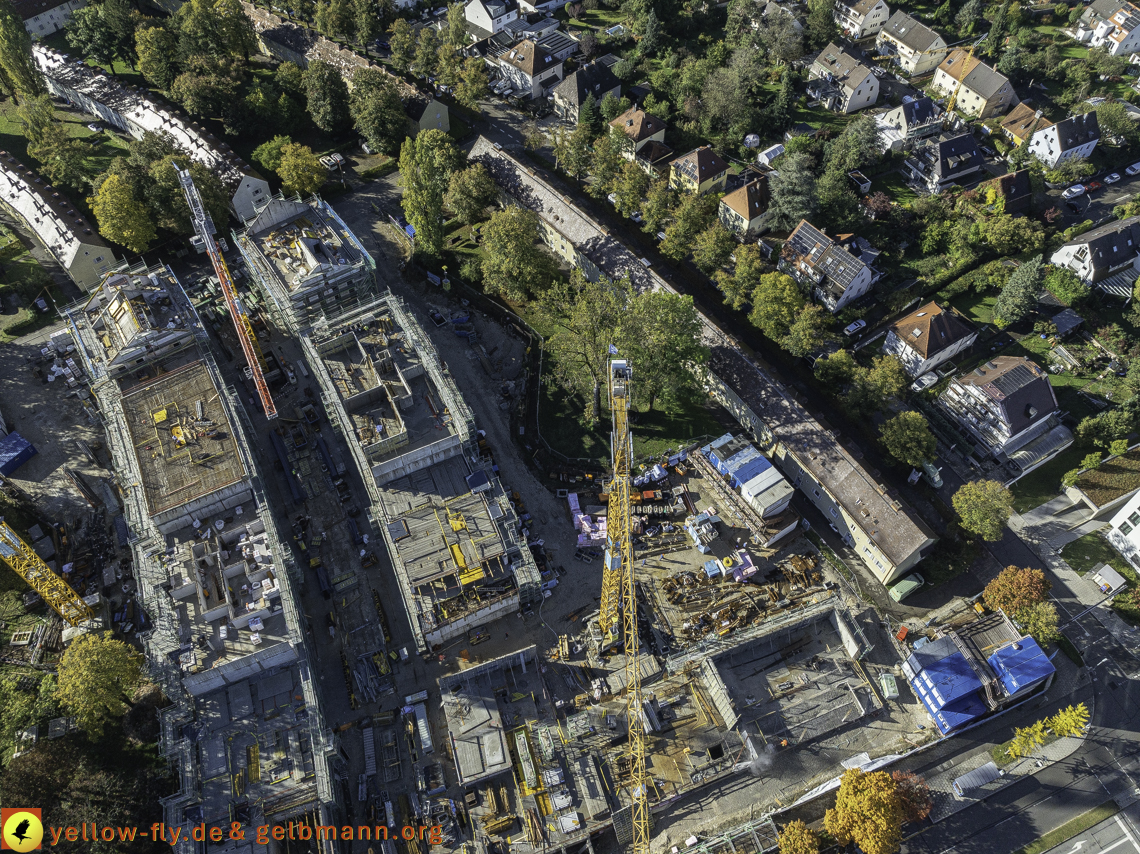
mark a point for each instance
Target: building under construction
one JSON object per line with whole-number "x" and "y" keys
{"x": 451, "y": 531}
{"x": 307, "y": 261}
{"x": 245, "y": 730}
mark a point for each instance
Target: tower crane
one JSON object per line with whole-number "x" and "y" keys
{"x": 204, "y": 227}
{"x": 965, "y": 70}
{"x": 54, "y": 590}
{"x": 619, "y": 596}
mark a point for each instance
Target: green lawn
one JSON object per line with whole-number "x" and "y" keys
{"x": 1044, "y": 484}
{"x": 600, "y": 18}
{"x": 1092, "y": 549}
{"x": 894, "y": 186}
{"x": 1070, "y": 829}
{"x": 978, "y": 307}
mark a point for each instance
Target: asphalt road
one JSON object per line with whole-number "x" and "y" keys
{"x": 1099, "y": 204}
{"x": 1118, "y": 833}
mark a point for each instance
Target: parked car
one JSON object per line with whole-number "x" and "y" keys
{"x": 612, "y": 199}
{"x": 1073, "y": 191}
{"x": 906, "y": 586}
{"x": 986, "y": 150}
{"x": 924, "y": 382}
{"x": 636, "y": 217}
{"x": 1112, "y": 179}
{"x": 1134, "y": 169}
{"x": 95, "y": 127}
{"x": 1092, "y": 186}
{"x": 857, "y": 326}
{"x": 661, "y": 235}
{"x": 497, "y": 146}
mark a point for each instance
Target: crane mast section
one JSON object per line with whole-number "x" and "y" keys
{"x": 55, "y": 591}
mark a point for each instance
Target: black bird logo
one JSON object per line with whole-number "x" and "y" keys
{"x": 20, "y": 832}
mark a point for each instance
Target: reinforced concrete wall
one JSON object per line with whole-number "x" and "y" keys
{"x": 420, "y": 458}
{"x": 203, "y": 508}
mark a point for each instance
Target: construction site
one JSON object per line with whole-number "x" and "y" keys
{"x": 307, "y": 262}
{"x": 224, "y": 636}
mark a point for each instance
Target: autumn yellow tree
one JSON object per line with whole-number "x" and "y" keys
{"x": 97, "y": 677}
{"x": 1070, "y": 720}
{"x": 122, "y": 219}
{"x": 868, "y": 812}
{"x": 797, "y": 838}
{"x": 1027, "y": 739}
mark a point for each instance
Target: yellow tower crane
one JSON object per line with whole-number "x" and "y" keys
{"x": 54, "y": 590}
{"x": 948, "y": 115}
{"x": 619, "y": 596}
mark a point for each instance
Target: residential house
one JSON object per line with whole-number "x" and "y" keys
{"x": 133, "y": 112}
{"x": 558, "y": 44}
{"x": 838, "y": 271}
{"x": 1124, "y": 530}
{"x": 927, "y": 337}
{"x": 530, "y": 70}
{"x": 745, "y": 210}
{"x": 1102, "y": 254}
{"x": 948, "y": 160}
{"x": 982, "y": 93}
{"x": 654, "y": 157}
{"x": 594, "y": 79}
{"x": 44, "y": 17}
{"x": 909, "y": 123}
{"x": 859, "y": 19}
{"x": 56, "y": 223}
{"x": 1075, "y": 136}
{"x": 487, "y": 17}
{"x": 1007, "y": 404}
{"x": 914, "y": 47}
{"x": 842, "y": 82}
{"x": 425, "y": 112}
{"x": 700, "y": 171}
{"x": 640, "y": 128}
{"x": 1021, "y": 123}
{"x": 1013, "y": 191}
{"x": 1113, "y": 25}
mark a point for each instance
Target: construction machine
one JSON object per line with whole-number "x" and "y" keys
{"x": 54, "y": 590}
{"x": 204, "y": 227}
{"x": 617, "y": 619}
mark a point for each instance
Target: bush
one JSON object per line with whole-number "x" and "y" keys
{"x": 1065, "y": 286}
{"x": 385, "y": 168}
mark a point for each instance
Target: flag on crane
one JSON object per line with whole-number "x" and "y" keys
{"x": 613, "y": 350}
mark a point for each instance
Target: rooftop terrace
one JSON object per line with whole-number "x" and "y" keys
{"x": 182, "y": 439}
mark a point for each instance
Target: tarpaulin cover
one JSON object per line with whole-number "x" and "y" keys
{"x": 15, "y": 450}
{"x": 1021, "y": 665}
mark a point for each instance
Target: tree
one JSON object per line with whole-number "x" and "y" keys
{"x": 1070, "y": 720}
{"x": 1040, "y": 622}
{"x": 713, "y": 247}
{"x": 612, "y": 107}
{"x": 692, "y": 216}
{"x": 514, "y": 263}
{"x": 836, "y": 369}
{"x": 1008, "y": 235}
{"x": 585, "y": 317}
{"x": 858, "y": 147}
{"x": 796, "y": 837}
{"x": 448, "y": 66}
{"x": 809, "y": 333}
{"x": 21, "y": 708}
{"x": 590, "y": 116}
{"x": 97, "y": 676}
{"x": 427, "y": 46}
{"x": 534, "y": 137}
{"x": 268, "y": 154}
{"x": 871, "y": 388}
{"x": 63, "y": 158}
{"x": 426, "y": 163}
{"x": 776, "y": 304}
{"x": 157, "y": 50}
{"x": 335, "y": 18}
{"x": 1092, "y": 461}
{"x": 867, "y": 812}
{"x": 794, "y": 194}
{"x": 217, "y": 28}
{"x": 377, "y": 110}
{"x": 588, "y": 44}
{"x": 1019, "y": 295}
{"x": 456, "y": 32}
{"x": 650, "y": 35}
{"x": 36, "y": 114}
{"x": 1120, "y": 446}
{"x": 661, "y": 335}
{"x": 19, "y": 74}
{"x": 290, "y": 79}
{"x": 984, "y": 507}
{"x": 606, "y": 162}
{"x": 402, "y": 43}
{"x": 914, "y": 795}
{"x": 968, "y": 17}
{"x": 660, "y": 199}
{"x": 780, "y": 37}
{"x": 1109, "y": 426}
{"x": 571, "y": 149}
{"x": 469, "y": 193}
{"x": 207, "y": 86}
{"x": 367, "y": 22}
{"x": 473, "y": 86}
{"x": 821, "y": 28}
{"x": 1016, "y": 589}
{"x": 1027, "y": 739}
{"x": 1066, "y": 286}
{"x": 92, "y": 31}
{"x": 300, "y": 170}
{"x": 908, "y": 439}
{"x": 121, "y": 218}
{"x": 327, "y": 96}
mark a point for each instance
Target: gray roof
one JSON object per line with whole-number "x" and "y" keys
{"x": 831, "y": 264}
{"x": 980, "y": 78}
{"x": 957, "y": 156}
{"x": 1078, "y": 130}
{"x": 848, "y": 71}
{"x": 1020, "y": 387}
{"x": 594, "y": 79}
{"x": 920, "y": 111}
{"x": 917, "y": 36}
{"x": 1111, "y": 244}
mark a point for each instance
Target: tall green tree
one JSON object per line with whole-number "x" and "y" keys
{"x": 327, "y": 97}
{"x": 1016, "y": 589}
{"x": 300, "y": 170}
{"x": 473, "y": 84}
{"x": 470, "y": 192}
{"x": 366, "y": 22}
{"x": 693, "y": 215}
{"x": 590, "y": 115}
{"x": 809, "y": 333}
{"x": 426, "y": 164}
{"x": 661, "y": 334}
{"x": 157, "y": 51}
{"x": 514, "y": 263}
{"x": 121, "y": 218}
{"x": 97, "y": 680}
{"x": 908, "y": 439}
{"x": 427, "y": 47}
{"x": 606, "y": 162}
{"x": 660, "y": 200}
{"x": 794, "y": 192}
{"x": 984, "y": 507}
{"x": 1019, "y": 295}
{"x": 104, "y": 32}
{"x": 63, "y": 158}
{"x": 820, "y": 28}
{"x": 335, "y": 18}
{"x": 218, "y": 28}
{"x": 402, "y": 43}
{"x": 630, "y": 187}
{"x": 19, "y": 75}
{"x": 268, "y": 154}
{"x": 776, "y": 303}
{"x": 571, "y": 149}
{"x": 456, "y": 32}
{"x": 713, "y": 247}
{"x": 377, "y": 110}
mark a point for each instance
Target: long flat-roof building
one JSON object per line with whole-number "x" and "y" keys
{"x": 447, "y": 521}
{"x": 132, "y": 112}
{"x": 51, "y": 217}
{"x": 244, "y": 731}
{"x": 307, "y": 261}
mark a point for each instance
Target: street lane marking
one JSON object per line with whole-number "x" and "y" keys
{"x": 1126, "y": 833}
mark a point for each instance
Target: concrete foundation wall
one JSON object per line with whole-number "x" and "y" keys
{"x": 499, "y": 608}
{"x": 204, "y": 508}
{"x": 850, "y": 642}
{"x": 420, "y": 458}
